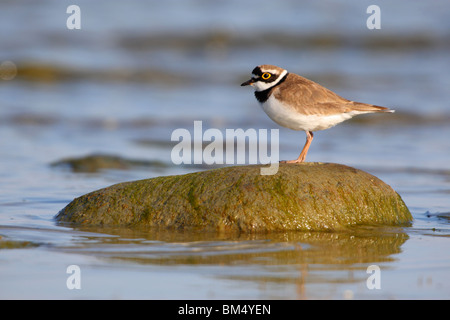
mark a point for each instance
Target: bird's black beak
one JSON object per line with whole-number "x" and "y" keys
{"x": 248, "y": 82}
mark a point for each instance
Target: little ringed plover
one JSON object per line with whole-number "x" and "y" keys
{"x": 297, "y": 103}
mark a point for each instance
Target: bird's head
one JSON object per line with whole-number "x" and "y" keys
{"x": 265, "y": 76}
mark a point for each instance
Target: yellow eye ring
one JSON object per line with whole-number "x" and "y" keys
{"x": 266, "y": 75}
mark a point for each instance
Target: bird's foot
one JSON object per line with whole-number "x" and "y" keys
{"x": 292, "y": 161}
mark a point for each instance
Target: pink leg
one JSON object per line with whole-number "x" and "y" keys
{"x": 302, "y": 156}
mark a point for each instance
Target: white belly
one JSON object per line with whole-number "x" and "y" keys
{"x": 287, "y": 117}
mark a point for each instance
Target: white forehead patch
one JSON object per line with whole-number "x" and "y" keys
{"x": 273, "y": 71}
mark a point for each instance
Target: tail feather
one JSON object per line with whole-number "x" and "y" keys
{"x": 364, "y": 107}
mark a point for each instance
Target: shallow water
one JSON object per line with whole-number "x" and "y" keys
{"x": 136, "y": 72}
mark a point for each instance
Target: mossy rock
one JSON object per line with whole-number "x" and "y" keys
{"x": 307, "y": 196}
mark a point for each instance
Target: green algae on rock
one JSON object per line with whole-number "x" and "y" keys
{"x": 307, "y": 196}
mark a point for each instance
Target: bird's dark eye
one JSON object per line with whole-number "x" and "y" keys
{"x": 266, "y": 75}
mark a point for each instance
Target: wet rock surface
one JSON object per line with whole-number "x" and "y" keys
{"x": 307, "y": 196}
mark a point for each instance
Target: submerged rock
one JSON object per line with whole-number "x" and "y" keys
{"x": 307, "y": 196}
{"x": 97, "y": 162}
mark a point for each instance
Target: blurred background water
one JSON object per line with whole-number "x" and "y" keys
{"x": 137, "y": 70}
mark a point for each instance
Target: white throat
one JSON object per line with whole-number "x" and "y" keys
{"x": 261, "y": 86}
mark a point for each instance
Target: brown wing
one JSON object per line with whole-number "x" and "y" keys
{"x": 309, "y": 97}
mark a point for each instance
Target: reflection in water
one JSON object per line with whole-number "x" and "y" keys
{"x": 300, "y": 259}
